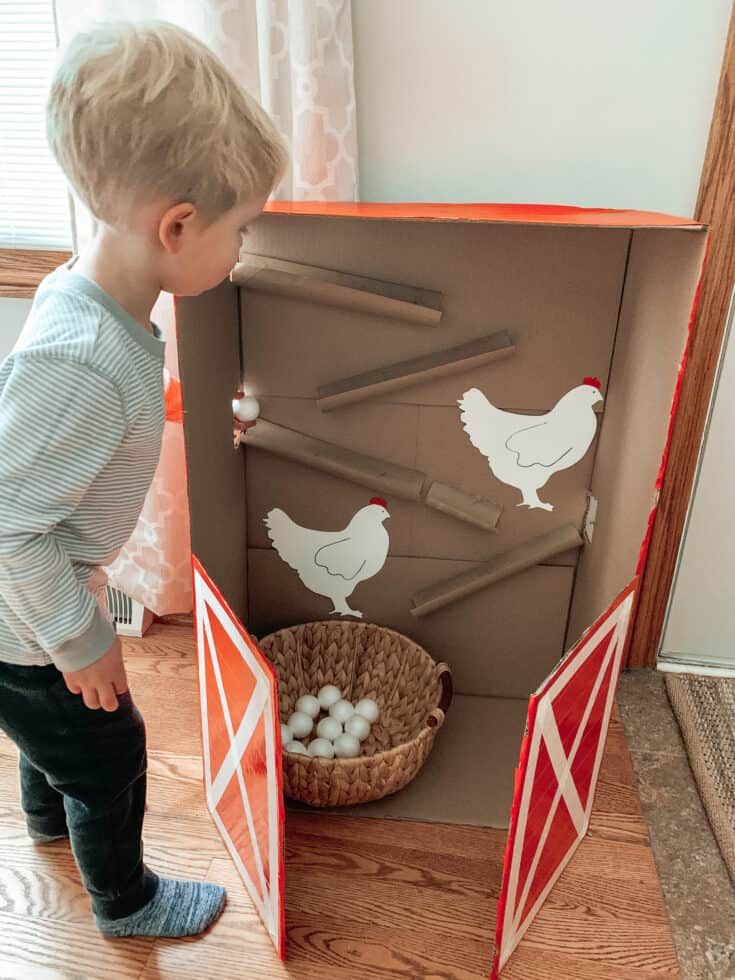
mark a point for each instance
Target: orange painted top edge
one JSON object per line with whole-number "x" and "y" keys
{"x": 540, "y": 214}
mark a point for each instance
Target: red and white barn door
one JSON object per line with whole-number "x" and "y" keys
{"x": 241, "y": 738}
{"x": 561, "y": 753}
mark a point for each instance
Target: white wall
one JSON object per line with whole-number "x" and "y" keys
{"x": 601, "y": 103}
{"x": 13, "y": 313}
{"x": 701, "y": 622}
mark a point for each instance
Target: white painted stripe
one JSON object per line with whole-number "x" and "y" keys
{"x": 203, "y": 701}
{"x": 238, "y": 745}
{"x": 248, "y": 881}
{"x": 561, "y": 765}
{"x": 212, "y": 600}
{"x": 619, "y": 641}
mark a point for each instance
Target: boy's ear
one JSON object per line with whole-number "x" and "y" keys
{"x": 174, "y": 224}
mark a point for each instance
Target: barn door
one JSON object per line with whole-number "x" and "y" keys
{"x": 561, "y": 752}
{"x": 241, "y": 739}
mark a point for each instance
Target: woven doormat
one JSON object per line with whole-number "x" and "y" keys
{"x": 705, "y": 710}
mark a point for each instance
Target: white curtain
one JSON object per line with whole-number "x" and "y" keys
{"x": 296, "y": 58}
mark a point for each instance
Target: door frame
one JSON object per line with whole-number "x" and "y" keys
{"x": 716, "y": 208}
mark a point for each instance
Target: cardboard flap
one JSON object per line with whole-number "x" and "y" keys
{"x": 561, "y": 753}
{"x": 241, "y": 738}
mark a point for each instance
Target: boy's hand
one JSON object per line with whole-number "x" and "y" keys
{"x": 240, "y": 429}
{"x": 101, "y": 682}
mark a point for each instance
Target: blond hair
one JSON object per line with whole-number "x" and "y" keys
{"x": 141, "y": 112}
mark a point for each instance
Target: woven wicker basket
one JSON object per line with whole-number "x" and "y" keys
{"x": 363, "y": 661}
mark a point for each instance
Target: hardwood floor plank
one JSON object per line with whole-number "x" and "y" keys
{"x": 196, "y": 835}
{"x": 398, "y": 907}
{"x": 24, "y": 972}
{"x": 327, "y": 950}
{"x": 75, "y": 950}
{"x": 42, "y": 883}
{"x": 530, "y": 963}
{"x": 157, "y": 663}
{"x": 401, "y": 862}
{"x": 452, "y": 839}
{"x": 175, "y": 784}
{"x": 170, "y": 707}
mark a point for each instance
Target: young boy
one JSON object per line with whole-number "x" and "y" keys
{"x": 173, "y": 159}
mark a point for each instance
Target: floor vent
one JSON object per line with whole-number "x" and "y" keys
{"x": 130, "y": 617}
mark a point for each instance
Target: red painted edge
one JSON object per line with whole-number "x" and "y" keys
{"x": 282, "y": 946}
{"x": 519, "y": 780}
{"x": 172, "y": 399}
{"x": 543, "y": 214}
{"x": 197, "y": 566}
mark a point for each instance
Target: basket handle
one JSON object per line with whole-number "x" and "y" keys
{"x": 436, "y": 718}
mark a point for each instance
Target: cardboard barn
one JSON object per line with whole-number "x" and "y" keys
{"x": 500, "y": 379}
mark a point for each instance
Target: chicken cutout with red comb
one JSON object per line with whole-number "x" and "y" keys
{"x": 333, "y": 563}
{"x": 525, "y": 451}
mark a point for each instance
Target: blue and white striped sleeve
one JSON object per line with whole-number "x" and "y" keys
{"x": 48, "y": 459}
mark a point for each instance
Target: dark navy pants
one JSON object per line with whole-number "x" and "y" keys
{"x": 82, "y": 772}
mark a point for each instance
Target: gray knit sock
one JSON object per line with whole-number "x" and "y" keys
{"x": 179, "y": 908}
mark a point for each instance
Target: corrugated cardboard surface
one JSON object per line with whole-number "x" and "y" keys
{"x": 209, "y": 362}
{"x": 662, "y": 277}
{"x": 500, "y": 642}
{"x": 551, "y": 289}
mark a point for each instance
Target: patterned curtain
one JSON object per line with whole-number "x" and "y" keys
{"x": 307, "y": 86}
{"x": 296, "y": 58}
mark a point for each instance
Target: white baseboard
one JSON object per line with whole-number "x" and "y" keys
{"x": 693, "y": 667}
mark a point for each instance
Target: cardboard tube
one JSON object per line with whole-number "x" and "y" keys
{"x": 464, "y": 506}
{"x": 315, "y": 285}
{"x": 414, "y": 371}
{"x": 526, "y": 555}
{"x": 377, "y": 474}
{"x": 368, "y": 471}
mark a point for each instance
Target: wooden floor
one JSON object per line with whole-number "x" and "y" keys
{"x": 367, "y": 899}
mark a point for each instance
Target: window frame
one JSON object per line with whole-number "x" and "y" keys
{"x": 22, "y": 269}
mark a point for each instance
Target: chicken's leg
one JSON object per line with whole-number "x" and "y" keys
{"x": 342, "y": 609}
{"x": 531, "y": 500}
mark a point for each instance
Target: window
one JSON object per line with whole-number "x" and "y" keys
{"x": 34, "y": 205}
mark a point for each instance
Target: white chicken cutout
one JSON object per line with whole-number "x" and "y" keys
{"x": 333, "y": 563}
{"x": 524, "y": 451}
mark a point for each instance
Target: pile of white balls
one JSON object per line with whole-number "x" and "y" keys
{"x": 339, "y": 733}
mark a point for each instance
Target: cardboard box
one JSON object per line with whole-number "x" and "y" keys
{"x": 361, "y": 326}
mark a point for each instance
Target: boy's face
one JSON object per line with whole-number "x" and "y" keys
{"x": 208, "y": 252}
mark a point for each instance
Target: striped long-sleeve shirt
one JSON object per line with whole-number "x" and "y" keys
{"x": 81, "y": 421}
